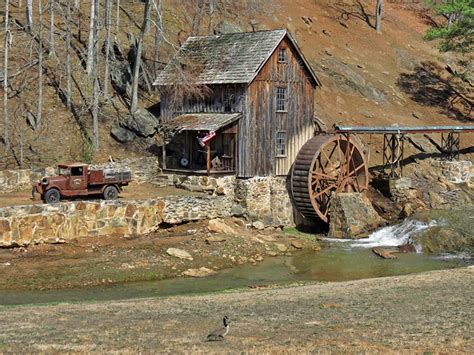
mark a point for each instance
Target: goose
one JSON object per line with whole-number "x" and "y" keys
{"x": 221, "y": 332}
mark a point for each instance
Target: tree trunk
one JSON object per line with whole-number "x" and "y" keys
{"x": 29, "y": 15}
{"x": 136, "y": 70}
{"x": 108, "y": 8}
{"x": 92, "y": 36}
{"x": 6, "y": 44}
{"x": 378, "y": 13}
{"x": 68, "y": 55}
{"x": 40, "y": 65}
{"x": 52, "y": 4}
{"x": 117, "y": 17}
{"x": 95, "y": 77}
{"x": 158, "y": 36}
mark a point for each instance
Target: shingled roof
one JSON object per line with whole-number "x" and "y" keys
{"x": 233, "y": 58}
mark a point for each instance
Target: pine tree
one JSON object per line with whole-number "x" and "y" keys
{"x": 457, "y": 33}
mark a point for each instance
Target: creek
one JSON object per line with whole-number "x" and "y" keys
{"x": 339, "y": 260}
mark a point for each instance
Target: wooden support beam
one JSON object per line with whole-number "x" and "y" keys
{"x": 208, "y": 159}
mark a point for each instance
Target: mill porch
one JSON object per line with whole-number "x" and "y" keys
{"x": 201, "y": 144}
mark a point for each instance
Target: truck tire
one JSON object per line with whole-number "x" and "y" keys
{"x": 52, "y": 196}
{"x": 111, "y": 193}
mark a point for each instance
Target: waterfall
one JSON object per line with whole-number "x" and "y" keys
{"x": 392, "y": 236}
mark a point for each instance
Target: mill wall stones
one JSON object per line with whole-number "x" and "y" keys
{"x": 455, "y": 171}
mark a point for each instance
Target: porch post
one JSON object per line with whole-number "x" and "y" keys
{"x": 208, "y": 159}
{"x": 163, "y": 153}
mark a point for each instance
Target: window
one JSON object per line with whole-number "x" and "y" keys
{"x": 282, "y": 55}
{"x": 76, "y": 171}
{"x": 281, "y": 144}
{"x": 281, "y": 99}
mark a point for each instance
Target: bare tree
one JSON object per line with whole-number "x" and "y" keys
{"x": 29, "y": 15}
{"x": 92, "y": 35}
{"x": 68, "y": 54}
{"x": 40, "y": 65}
{"x": 117, "y": 16}
{"x": 378, "y": 16}
{"x": 108, "y": 8}
{"x": 52, "y": 4}
{"x": 6, "y": 44}
{"x": 95, "y": 76}
{"x": 158, "y": 34}
{"x": 136, "y": 70}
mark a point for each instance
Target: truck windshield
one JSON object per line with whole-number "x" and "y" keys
{"x": 63, "y": 171}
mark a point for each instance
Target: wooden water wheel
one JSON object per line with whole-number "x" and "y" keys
{"x": 325, "y": 164}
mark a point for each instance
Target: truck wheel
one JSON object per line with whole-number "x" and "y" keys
{"x": 110, "y": 193}
{"x": 52, "y": 196}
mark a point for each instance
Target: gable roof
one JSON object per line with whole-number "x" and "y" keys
{"x": 234, "y": 58}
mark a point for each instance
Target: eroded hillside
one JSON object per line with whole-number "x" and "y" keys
{"x": 368, "y": 78}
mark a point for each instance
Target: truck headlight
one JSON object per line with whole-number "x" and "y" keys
{"x": 44, "y": 181}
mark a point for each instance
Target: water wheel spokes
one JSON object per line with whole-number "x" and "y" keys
{"x": 327, "y": 164}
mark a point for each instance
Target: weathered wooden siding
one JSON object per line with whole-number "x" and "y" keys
{"x": 257, "y": 129}
{"x": 215, "y": 102}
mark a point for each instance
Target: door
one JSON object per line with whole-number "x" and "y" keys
{"x": 78, "y": 179}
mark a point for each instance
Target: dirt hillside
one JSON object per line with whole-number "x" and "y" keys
{"x": 368, "y": 78}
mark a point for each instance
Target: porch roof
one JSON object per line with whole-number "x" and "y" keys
{"x": 202, "y": 121}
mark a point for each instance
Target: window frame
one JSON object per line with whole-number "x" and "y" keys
{"x": 282, "y": 56}
{"x": 279, "y": 143}
{"x": 280, "y": 100}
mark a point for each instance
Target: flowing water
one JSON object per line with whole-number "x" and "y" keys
{"x": 338, "y": 261}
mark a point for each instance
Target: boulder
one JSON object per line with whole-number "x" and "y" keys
{"x": 143, "y": 123}
{"x": 258, "y": 225}
{"x": 281, "y": 247}
{"x": 297, "y": 244}
{"x": 201, "y": 272}
{"x": 215, "y": 239}
{"x": 122, "y": 135}
{"x": 219, "y": 226}
{"x": 179, "y": 253}
{"x": 385, "y": 253}
{"x": 351, "y": 215}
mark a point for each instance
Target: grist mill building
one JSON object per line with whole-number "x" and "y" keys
{"x": 254, "y": 109}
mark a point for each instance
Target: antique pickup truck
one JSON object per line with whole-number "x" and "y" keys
{"x": 74, "y": 180}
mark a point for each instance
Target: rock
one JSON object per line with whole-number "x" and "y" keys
{"x": 281, "y": 247}
{"x": 267, "y": 238}
{"x": 122, "y": 135}
{"x": 435, "y": 199}
{"x": 215, "y": 239}
{"x": 143, "y": 123}
{"x": 227, "y": 27}
{"x": 297, "y": 244}
{"x": 385, "y": 253}
{"x": 201, "y": 272}
{"x": 219, "y": 226}
{"x": 237, "y": 211}
{"x": 352, "y": 215}
{"x": 272, "y": 253}
{"x": 407, "y": 248}
{"x": 258, "y": 225}
{"x": 179, "y": 253}
{"x": 121, "y": 77}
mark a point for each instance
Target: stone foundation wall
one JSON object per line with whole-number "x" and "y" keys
{"x": 143, "y": 170}
{"x": 265, "y": 199}
{"x": 455, "y": 171}
{"x": 24, "y": 225}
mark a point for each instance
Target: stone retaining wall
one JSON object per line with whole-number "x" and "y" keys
{"x": 24, "y": 225}
{"x": 143, "y": 170}
{"x": 455, "y": 171}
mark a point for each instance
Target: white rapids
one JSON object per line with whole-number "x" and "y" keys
{"x": 393, "y": 236}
